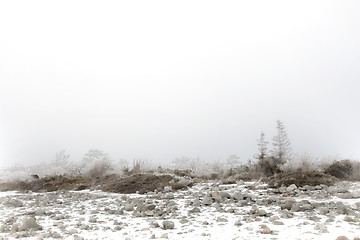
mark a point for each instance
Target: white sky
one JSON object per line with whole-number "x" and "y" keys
{"x": 163, "y": 79}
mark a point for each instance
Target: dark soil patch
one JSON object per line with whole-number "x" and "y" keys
{"x": 48, "y": 184}
{"x": 141, "y": 183}
{"x": 300, "y": 179}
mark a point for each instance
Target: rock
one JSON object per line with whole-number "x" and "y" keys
{"x": 168, "y": 225}
{"x": 238, "y": 223}
{"x": 13, "y": 203}
{"x": 194, "y": 210}
{"x": 29, "y": 223}
{"x": 169, "y": 196}
{"x": 129, "y": 207}
{"x": 92, "y": 219}
{"x": 150, "y": 207}
{"x": 356, "y": 194}
{"x": 221, "y": 219}
{"x": 225, "y": 195}
{"x": 167, "y": 189}
{"x": 342, "y": 238}
{"x": 349, "y": 219}
{"x": 323, "y": 210}
{"x": 291, "y": 188}
{"x": 266, "y": 230}
{"x": 307, "y": 207}
{"x": 296, "y": 207}
{"x": 196, "y": 203}
{"x": 164, "y": 235}
{"x": 216, "y": 196}
{"x": 149, "y": 213}
{"x": 238, "y": 196}
{"x": 262, "y": 213}
{"x": 184, "y": 221}
{"x": 273, "y": 218}
{"x": 321, "y": 227}
{"x": 345, "y": 195}
{"x": 287, "y": 205}
{"x": 207, "y": 201}
{"x": 278, "y": 223}
{"x": 185, "y": 181}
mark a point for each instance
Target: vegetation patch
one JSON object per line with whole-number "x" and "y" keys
{"x": 340, "y": 169}
{"x": 300, "y": 179}
{"x": 141, "y": 183}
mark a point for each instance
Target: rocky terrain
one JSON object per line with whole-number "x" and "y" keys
{"x": 245, "y": 210}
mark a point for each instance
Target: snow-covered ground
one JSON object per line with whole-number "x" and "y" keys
{"x": 247, "y": 210}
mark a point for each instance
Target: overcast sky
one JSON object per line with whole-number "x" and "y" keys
{"x": 163, "y": 79}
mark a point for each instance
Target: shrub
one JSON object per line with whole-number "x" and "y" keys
{"x": 270, "y": 166}
{"x": 340, "y": 169}
{"x": 300, "y": 179}
{"x": 96, "y": 164}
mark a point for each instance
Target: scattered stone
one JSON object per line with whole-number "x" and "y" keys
{"x": 129, "y": 207}
{"x": 13, "y": 203}
{"x": 342, "y": 238}
{"x": 29, "y": 223}
{"x": 221, "y": 219}
{"x": 266, "y": 230}
{"x": 168, "y": 225}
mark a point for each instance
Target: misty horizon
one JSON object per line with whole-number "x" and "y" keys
{"x": 161, "y": 80}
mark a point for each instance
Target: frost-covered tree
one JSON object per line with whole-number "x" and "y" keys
{"x": 96, "y": 163}
{"x": 60, "y": 165}
{"x": 233, "y": 160}
{"x": 281, "y": 145}
{"x": 262, "y": 147}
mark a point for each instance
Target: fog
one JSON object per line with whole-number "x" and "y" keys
{"x": 160, "y": 79}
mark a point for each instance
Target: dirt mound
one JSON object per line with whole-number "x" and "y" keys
{"x": 49, "y": 184}
{"x": 300, "y": 179}
{"x": 141, "y": 183}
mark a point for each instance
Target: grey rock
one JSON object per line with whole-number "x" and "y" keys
{"x": 195, "y": 210}
{"x": 221, "y": 219}
{"x": 169, "y": 196}
{"x": 150, "y": 207}
{"x": 149, "y": 213}
{"x": 129, "y": 207}
{"x": 167, "y": 189}
{"x": 168, "y": 225}
{"x": 296, "y": 207}
{"x": 207, "y": 200}
{"x": 238, "y": 196}
{"x": 321, "y": 227}
{"x": 216, "y": 196}
{"x": 342, "y": 238}
{"x": 225, "y": 195}
{"x": 238, "y": 223}
{"x": 185, "y": 181}
{"x": 29, "y": 223}
{"x": 92, "y": 219}
{"x": 262, "y": 213}
{"x": 13, "y": 203}
{"x": 306, "y": 207}
{"x": 287, "y": 205}
{"x": 291, "y": 188}
{"x": 278, "y": 223}
{"x": 196, "y": 203}
{"x": 323, "y": 210}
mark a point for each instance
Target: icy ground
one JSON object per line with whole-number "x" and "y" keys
{"x": 247, "y": 210}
